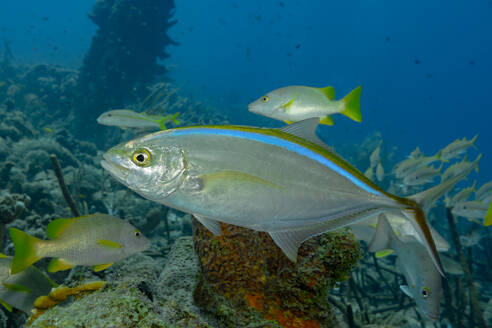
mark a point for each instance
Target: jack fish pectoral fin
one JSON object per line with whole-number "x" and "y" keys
{"x": 210, "y": 224}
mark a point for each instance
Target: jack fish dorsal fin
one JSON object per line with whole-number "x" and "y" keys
{"x": 212, "y": 225}
{"x": 329, "y": 92}
{"x": 306, "y": 129}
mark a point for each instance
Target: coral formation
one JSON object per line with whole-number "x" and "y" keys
{"x": 59, "y": 295}
{"x": 260, "y": 284}
{"x": 124, "y": 53}
{"x": 137, "y": 294}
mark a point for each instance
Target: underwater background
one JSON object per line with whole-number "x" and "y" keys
{"x": 425, "y": 68}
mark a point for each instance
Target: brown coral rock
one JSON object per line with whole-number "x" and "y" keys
{"x": 245, "y": 271}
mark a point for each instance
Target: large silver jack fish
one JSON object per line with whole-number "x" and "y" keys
{"x": 282, "y": 181}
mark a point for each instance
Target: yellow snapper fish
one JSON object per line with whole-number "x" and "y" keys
{"x": 456, "y": 168}
{"x": 461, "y": 196}
{"x": 296, "y": 103}
{"x": 380, "y": 172}
{"x": 22, "y": 289}
{"x": 98, "y": 240}
{"x": 410, "y": 165}
{"x": 484, "y": 192}
{"x": 375, "y": 157}
{"x": 128, "y": 119}
{"x": 424, "y": 282}
{"x": 282, "y": 181}
{"x": 424, "y": 175}
{"x": 473, "y": 209}
{"x": 457, "y": 148}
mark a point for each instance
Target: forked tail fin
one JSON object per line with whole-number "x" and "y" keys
{"x": 25, "y": 250}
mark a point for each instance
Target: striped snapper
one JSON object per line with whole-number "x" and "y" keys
{"x": 282, "y": 181}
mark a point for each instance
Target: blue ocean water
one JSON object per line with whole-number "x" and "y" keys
{"x": 425, "y": 66}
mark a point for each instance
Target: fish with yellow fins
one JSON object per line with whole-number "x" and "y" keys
{"x": 296, "y": 103}
{"x": 98, "y": 240}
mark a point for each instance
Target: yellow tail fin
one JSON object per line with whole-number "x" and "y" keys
{"x": 352, "y": 105}
{"x": 25, "y": 250}
{"x": 488, "y": 217}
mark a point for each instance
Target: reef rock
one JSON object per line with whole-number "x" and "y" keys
{"x": 245, "y": 277}
{"x": 138, "y": 293}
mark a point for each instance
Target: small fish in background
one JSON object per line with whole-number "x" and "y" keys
{"x": 473, "y": 237}
{"x": 296, "y": 103}
{"x": 128, "y": 119}
{"x": 22, "y": 289}
{"x": 457, "y": 168}
{"x": 410, "y": 165}
{"x": 416, "y": 153}
{"x": 422, "y": 176}
{"x": 484, "y": 192}
{"x": 98, "y": 240}
{"x": 451, "y": 266}
{"x": 413, "y": 261}
{"x": 369, "y": 173}
{"x": 461, "y": 196}
{"x": 457, "y": 148}
{"x": 375, "y": 157}
{"x": 472, "y": 210}
{"x": 380, "y": 172}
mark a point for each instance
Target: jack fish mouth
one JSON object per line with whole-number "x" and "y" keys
{"x": 110, "y": 164}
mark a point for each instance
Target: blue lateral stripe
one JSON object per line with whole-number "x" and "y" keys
{"x": 275, "y": 141}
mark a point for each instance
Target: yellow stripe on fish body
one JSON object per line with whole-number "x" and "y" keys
{"x": 296, "y": 103}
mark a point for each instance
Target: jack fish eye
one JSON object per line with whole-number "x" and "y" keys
{"x": 265, "y": 99}
{"x": 137, "y": 233}
{"x": 141, "y": 157}
{"x": 425, "y": 292}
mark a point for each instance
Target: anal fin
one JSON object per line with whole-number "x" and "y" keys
{"x": 210, "y": 224}
{"x": 101, "y": 267}
{"x": 59, "y": 264}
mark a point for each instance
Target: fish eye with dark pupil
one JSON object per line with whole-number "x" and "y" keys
{"x": 141, "y": 157}
{"x": 425, "y": 293}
